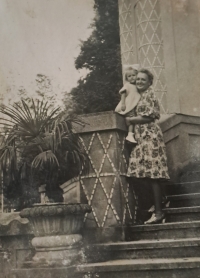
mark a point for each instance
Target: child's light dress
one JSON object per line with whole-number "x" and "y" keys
{"x": 131, "y": 100}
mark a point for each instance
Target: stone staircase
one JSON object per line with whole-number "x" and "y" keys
{"x": 164, "y": 250}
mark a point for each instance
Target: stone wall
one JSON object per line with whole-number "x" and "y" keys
{"x": 182, "y": 139}
{"x": 15, "y": 246}
{"x": 105, "y": 188}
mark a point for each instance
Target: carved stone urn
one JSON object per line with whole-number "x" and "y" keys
{"x": 57, "y": 228}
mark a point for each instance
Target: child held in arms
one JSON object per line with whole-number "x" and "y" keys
{"x": 129, "y": 98}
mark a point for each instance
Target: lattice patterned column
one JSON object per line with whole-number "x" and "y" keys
{"x": 150, "y": 45}
{"x": 106, "y": 188}
{"x": 142, "y": 42}
{"x": 127, "y": 32}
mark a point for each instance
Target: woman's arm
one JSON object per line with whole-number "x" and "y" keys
{"x": 139, "y": 120}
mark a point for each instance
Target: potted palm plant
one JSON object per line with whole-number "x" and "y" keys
{"x": 41, "y": 150}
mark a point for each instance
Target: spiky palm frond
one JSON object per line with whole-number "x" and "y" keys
{"x": 38, "y": 137}
{"x": 45, "y": 159}
{"x": 75, "y": 150}
{"x": 8, "y": 160}
{"x": 28, "y": 121}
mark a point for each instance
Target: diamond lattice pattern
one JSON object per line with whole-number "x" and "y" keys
{"x": 150, "y": 45}
{"x": 106, "y": 188}
{"x": 126, "y": 34}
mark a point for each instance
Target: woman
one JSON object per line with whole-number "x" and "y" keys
{"x": 148, "y": 158}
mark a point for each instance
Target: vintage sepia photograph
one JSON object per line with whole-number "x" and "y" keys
{"x": 100, "y": 139}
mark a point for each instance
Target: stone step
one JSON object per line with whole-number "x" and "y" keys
{"x": 182, "y": 214}
{"x": 143, "y": 268}
{"x": 184, "y": 200}
{"x": 47, "y": 272}
{"x": 160, "y": 231}
{"x": 189, "y": 176}
{"x": 164, "y": 248}
{"x": 175, "y": 214}
{"x": 183, "y": 188}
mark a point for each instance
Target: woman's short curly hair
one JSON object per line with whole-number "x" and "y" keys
{"x": 148, "y": 73}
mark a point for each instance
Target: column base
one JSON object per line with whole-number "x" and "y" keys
{"x": 60, "y": 250}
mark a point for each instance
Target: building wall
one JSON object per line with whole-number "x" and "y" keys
{"x": 164, "y": 36}
{"x": 181, "y": 33}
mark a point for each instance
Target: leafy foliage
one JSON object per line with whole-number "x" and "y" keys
{"x": 100, "y": 55}
{"x": 44, "y": 91}
{"x": 39, "y": 146}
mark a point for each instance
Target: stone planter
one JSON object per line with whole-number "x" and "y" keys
{"x": 57, "y": 228}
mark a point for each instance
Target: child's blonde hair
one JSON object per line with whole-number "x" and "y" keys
{"x": 127, "y": 71}
{"x": 128, "y": 68}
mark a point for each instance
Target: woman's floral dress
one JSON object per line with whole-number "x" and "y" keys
{"x": 148, "y": 158}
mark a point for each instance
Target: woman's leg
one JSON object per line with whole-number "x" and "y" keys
{"x": 158, "y": 216}
{"x": 157, "y": 197}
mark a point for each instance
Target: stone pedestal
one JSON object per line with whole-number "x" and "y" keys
{"x": 106, "y": 188}
{"x": 60, "y": 250}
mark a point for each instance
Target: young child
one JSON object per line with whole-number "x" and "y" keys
{"x": 129, "y": 98}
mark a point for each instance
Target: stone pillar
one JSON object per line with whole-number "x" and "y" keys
{"x": 127, "y": 32}
{"x": 142, "y": 41}
{"x": 105, "y": 187}
{"x": 163, "y": 36}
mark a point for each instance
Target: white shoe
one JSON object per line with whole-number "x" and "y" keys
{"x": 156, "y": 219}
{"x": 131, "y": 138}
